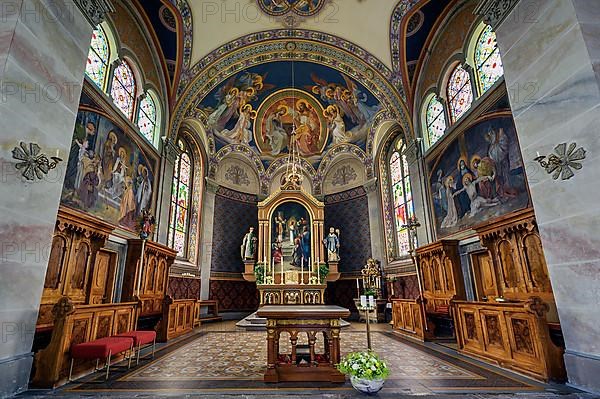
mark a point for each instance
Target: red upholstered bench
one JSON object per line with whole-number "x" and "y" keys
{"x": 102, "y": 348}
{"x": 140, "y": 338}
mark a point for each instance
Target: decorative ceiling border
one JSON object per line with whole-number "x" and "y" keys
{"x": 276, "y": 45}
{"x": 188, "y": 40}
{"x": 402, "y": 8}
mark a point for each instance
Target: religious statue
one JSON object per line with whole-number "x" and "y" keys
{"x": 248, "y": 248}
{"x": 147, "y": 223}
{"x": 332, "y": 243}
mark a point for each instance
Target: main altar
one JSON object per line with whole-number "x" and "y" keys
{"x": 290, "y": 263}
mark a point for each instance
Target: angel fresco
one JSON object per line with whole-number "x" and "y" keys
{"x": 350, "y": 103}
{"x": 232, "y": 100}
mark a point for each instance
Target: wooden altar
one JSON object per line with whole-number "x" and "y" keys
{"x": 295, "y": 320}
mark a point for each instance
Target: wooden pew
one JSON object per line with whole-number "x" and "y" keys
{"x": 74, "y": 324}
{"x": 513, "y": 335}
{"x": 408, "y": 318}
{"x": 179, "y": 317}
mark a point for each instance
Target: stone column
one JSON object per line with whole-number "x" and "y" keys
{"x": 551, "y": 55}
{"x": 43, "y": 52}
{"x": 416, "y": 168}
{"x": 208, "y": 214}
{"x": 375, "y": 222}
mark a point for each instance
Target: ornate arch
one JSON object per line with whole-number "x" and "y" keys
{"x": 247, "y": 152}
{"x": 303, "y": 45}
{"x": 401, "y": 9}
{"x": 336, "y": 152}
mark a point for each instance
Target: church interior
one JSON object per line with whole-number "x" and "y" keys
{"x": 242, "y": 197}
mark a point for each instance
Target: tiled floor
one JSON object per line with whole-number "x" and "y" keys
{"x": 222, "y": 361}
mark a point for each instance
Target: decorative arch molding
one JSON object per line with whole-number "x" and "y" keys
{"x": 329, "y": 160}
{"x": 402, "y": 8}
{"x": 246, "y": 152}
{"x": 389, "y": 137}
{"x": 187, "y": 35}
{"x": 285, "y": 44}
{"x": 199, "y": 162}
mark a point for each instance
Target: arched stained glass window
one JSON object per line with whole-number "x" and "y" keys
{"x": 402, "y": 197}
{"x": 123, "y": 88}
{"x": 98, "y": 57}
{"x": 487, "y": 60}
{"x": 460, "y": 93}
{"x": 148, "y": 118}
{"x": 435, "y": 120}
{"x": 180, "y": 201}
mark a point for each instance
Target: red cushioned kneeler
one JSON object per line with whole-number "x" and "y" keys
{"x": 141, "y": 338}
{"x": 100, "y": 348}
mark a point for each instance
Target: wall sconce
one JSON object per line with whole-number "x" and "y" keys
{"x": 33, "y": 165}
{"x": 563, "y": 161}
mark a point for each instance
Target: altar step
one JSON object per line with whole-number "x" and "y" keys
{"x": 255, "y": 323}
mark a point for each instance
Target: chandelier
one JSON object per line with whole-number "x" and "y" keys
{"x": 292, "y": 178}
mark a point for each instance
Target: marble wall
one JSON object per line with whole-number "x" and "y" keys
{"x": 43, "y": 50}
{"x": 551, "y": 59}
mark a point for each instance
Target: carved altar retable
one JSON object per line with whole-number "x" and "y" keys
{"x": 296, "y": 320}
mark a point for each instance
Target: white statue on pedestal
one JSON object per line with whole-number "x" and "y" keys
{"x": 332, "y": 243}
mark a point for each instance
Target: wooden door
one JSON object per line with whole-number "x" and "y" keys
{"x": 103, "y": 278}
{"x": 484, "y": 276}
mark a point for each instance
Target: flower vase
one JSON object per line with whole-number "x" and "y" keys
{"x": 367, "y": 386}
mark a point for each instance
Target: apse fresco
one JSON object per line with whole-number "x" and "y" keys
{"x": 479, "y": 177}
{"x": 108, "y": 176}
{"x": 259, "y": 106}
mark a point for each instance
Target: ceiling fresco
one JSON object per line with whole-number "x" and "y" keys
{"x": 259, "y": 106}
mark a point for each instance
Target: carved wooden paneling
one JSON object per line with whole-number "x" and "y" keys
{"x": 407, "y": 317}
{"x": 513, "y": 335}
{"x": 439, "y": 265}
{"x": 103, "y": 277}
{"x": 77, "y": 239}
{"x": 486, "y": 285}
{"x": 75, "y": 324}
{"x": 179, "y": 317}
{"x": 153, "y": 280}
{"x": 517, "y": 258}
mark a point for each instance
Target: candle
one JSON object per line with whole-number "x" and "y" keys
{"x": 357, "y": 288}
{"x": 363, "y": 301}
{"x": 392, "y": 287}
{"x": 282, "y": 272}
{"x": 302, "y": 272}
{"x": 318, "y": 274}
{"x": 371, "y": 301}
{"x": 537, "y": 153}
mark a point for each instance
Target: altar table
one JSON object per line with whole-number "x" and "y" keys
{"x": 311, "y": 320}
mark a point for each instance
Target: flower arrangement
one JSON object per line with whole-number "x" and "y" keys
{"x": 364, "y": 365}
{"x": 323, "y": 271}
{"x": 259, "y": 273}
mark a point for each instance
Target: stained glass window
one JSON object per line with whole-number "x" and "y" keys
{"x": 487, "y": 60}
{"x": 98, "y": 57}
{"x": 402, "y": 198}
{"x": 123, "y": 89}
{"x": 147, "y": 117}
{"x": 460, "y": 93}
{"x": 180, "y": 201}
{"x": 435, "y": 120}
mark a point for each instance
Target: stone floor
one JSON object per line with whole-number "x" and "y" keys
{"x": 222, "y": 361}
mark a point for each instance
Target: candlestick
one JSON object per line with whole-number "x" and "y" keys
{"x": 265, "y": 273}
{"x": 363, "y": 301}
{"x": 318, "y": 273}
{"x": 357, "y": 288}
{"x": 281, "y": 272}
{"x": 302, "y": 273}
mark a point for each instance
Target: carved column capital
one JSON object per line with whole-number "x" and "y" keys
{"x": 95, "y": 10}
{"x": 371, "y": 185}
{"x": 495, "y": 11}
{"x": 172, "y": 151}
{"x": 413, "y": 151}
{"x": 211, "y": 186}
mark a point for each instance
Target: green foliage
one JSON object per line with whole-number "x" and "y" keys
{"x": 370, "y": 292}
{"x": 259, "y": 273}
{"x": 365, "y": 365}
{"x": 323, "y": 271}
